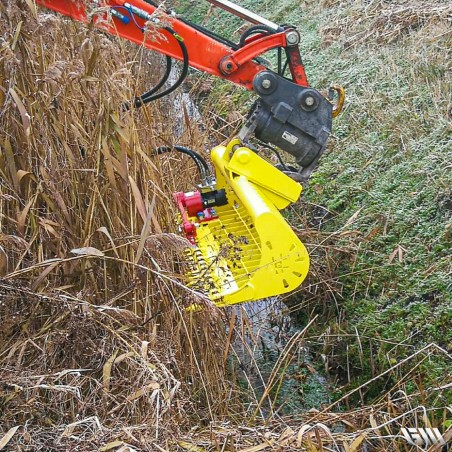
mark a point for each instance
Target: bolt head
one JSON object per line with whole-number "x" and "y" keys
{"x": 309, "y": 101}
{"x": 292, "y": 38}
{"x": 243, "y": 156}
{"x": 266, "y": 83}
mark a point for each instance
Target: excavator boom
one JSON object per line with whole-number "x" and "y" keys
{"x": 132, "y": 19}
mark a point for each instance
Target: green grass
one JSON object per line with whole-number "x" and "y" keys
{"x": 389, "y": 165}
{"x": 389, "y": 161}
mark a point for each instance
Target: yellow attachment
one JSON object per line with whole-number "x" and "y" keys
{"x": 250, "y": 252}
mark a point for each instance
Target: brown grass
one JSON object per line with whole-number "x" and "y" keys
{"x": 384, "y": 22}
{"x": 90, "y": 267}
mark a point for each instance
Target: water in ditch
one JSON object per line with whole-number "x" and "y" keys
{"x": 273, "y": 357}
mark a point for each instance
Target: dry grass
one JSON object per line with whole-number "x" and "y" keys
{"x": 384, "y": 22}
{"x": 77, "y": 373}
{"x": 89, "y": 264}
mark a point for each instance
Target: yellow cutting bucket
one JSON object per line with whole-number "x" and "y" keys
{"x": 249, "y": 252}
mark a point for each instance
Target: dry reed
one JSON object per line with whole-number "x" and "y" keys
{"x": 96, "y": 342}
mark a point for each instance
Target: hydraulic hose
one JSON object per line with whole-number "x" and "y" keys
{"x": 275, "y": 151}
{"x": 200, "y": 162}
{"x": 139, "y": 101}
{"x": 142, "y": 100}
{"x": 263, "y": 29}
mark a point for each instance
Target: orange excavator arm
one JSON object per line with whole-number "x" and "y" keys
{"x": 138, "y": 20}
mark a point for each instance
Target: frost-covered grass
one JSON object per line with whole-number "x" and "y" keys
{"x": 381, "y": 198}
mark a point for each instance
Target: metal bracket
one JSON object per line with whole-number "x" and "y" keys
{"x": 295, "y": 118}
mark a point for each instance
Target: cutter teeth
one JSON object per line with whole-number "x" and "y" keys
{"x": 199, "y": 278}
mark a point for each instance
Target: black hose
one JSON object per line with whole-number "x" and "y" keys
{"x": 200, "y": 162}
{"x": 275, "y": 151}
{"x": 140, "y": 100}
{"x": 284, "y": 67}
{"x": 263, "y": 29}
{"x": 197, "y": 155}
{"x": 151, "y": 3}
{"x": 183, "y": 75}
{"x": 209, "y": 33}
